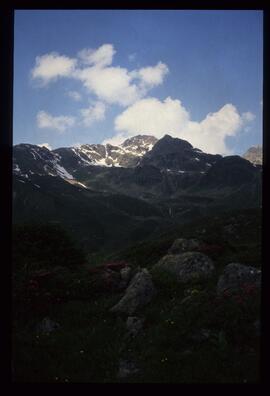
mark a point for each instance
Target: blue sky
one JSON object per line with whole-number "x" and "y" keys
{"x": 105, "y": 75}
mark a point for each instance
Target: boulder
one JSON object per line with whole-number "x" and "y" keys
{"x": 238, "y": 277}
{"x": 187, "y": 267}
{"x": 134, "y": 325}
{"x": 125, "y": 275}
{"x": 139, "y": 292}
{"x": 127, "y": 368}
{"x": 182, "y": 245}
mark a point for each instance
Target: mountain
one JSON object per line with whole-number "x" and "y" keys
{"x": 254, "y": 155}
{"x": 30, "y": 159}
{"x": 110, "y": 196}
{"x": 177, "y": 155}
{"x": 125, "y": 155}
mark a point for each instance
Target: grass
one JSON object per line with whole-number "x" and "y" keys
{"x": 171, "y": 349}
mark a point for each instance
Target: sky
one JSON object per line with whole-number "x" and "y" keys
{"x": 101, "y": 76}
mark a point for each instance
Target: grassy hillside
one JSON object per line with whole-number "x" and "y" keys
{"x": 207, "y": 339}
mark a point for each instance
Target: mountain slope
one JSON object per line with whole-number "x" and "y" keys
{"x": 107, "y": 206}
{"x": 94, "y": 219}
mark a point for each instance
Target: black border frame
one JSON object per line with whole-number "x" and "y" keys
{"x": 7, "y": 13}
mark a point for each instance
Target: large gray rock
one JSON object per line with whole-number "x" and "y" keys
{"x": 182, "y": 245}
{"x": 139, "y": 292}
{"x": 125, "y": 274}
{"x": 134, "y": 325}
{"x": 187, "y": 267}
{"x": 236, "y": 276}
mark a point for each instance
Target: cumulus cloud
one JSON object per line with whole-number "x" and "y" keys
{"x": 75, "y": 95}
{"x": 152, "y": 116}
{"x": 93, "y": 113}
{"x": 110, "y": 84}
{"x": 157, "y": 118}
{"x": 93, "y": 68}
{"x": 153, "y": 75}
{"x": 47, "y": 145}
{"x": 103, "y": 56}
{"x": 118, "y": 85}
{"x": 248, "y": 116}
{"x": 51, "y": 66}
{"x": 59, "y": 123}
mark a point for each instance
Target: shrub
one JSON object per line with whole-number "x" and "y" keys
{"x": 38, "y": 246}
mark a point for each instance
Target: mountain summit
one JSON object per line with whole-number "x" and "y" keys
{"x": 254, "y": 155}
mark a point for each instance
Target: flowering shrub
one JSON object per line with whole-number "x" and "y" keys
{"x": 211, "y": 249}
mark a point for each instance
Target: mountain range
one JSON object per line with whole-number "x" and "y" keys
{"x": 109, "y": 196}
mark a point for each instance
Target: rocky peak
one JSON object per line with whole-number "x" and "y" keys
{"x": 254, "y": 155}
{"x": 140, "y": 140}
{"x": 178, "y": 155}
{"x": 168, "y": 144}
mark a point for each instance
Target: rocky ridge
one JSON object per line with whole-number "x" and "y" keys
{"x": 254, "y": 155}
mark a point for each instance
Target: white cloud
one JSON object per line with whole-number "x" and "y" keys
{"x": 93, "y": 113}
{"x": 47, "y": 145}
{"x": 153, "y": 75}
{"x": 118, "y": 85}
{"x": 110, "y": 84}
{"x": 154, "y": 117}
{"x": 103, "y": 56}
{"x": 248, "y": 116}
{"x": 51, "y": 66}
{"x": 128, "y": 88}
{"x": 75, "y": 95}
{"x": 60, "y": 123}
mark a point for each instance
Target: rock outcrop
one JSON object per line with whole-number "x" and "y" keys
{"x": 237, "y": 276}
{"x": 189, "y": 266}
{"x": 182, "y": 245}
{"x": 139, "y": 293}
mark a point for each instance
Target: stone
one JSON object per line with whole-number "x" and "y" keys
{"x": 127, "y": 368}
{"x": 139, "y": 293}
{"x": 134, "y": 325}
{"x": 125, "y": 275}
{"x": 182, "y": 245}
{"x": 237, "y": 276}
{"x": 47, "y": 326}
{"x": 190, "y": 266}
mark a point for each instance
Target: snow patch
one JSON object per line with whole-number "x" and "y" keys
{"x": 62, "y": 172}
{"x": 81, "y": 184}
{"x": 16, "y": 169}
